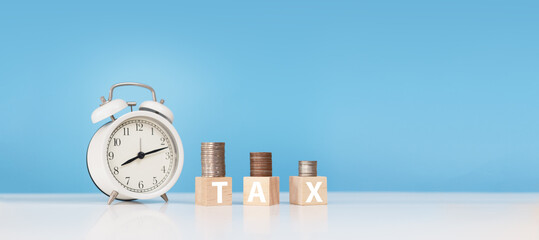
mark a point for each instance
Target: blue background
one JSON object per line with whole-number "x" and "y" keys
{"x": 386, "y": 95}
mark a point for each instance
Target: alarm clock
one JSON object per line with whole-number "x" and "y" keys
{"x": 138, "y": 155}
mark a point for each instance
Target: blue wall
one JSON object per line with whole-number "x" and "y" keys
{"x": 386, "y": 95}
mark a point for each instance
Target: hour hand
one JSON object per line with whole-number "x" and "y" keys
{"x": 130, "y": 160}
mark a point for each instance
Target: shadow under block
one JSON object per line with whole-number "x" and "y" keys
{"x": 260, "y": 191}
{"x": 213, "y": 191}
{"x": 308, "y": 190}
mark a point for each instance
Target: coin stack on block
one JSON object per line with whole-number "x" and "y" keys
{"x": 308, "y": 188}
{"x": 307, "y": 169}
{"x": 212, "y": 156}
{"x": 261, "y": 164}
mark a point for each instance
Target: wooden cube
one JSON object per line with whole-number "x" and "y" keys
{"x": 260, "y": 191}
{"x": 213, "y": 191}
{"x": 308, "y": 190}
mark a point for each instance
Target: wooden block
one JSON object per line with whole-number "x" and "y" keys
{"x": 213, "y": 191}
{"x": 308, "y": 190}
{"x": 260, "y": 191}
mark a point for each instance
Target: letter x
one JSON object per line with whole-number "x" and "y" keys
{"x": 314, "y": 192}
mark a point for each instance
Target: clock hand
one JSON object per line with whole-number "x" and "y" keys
{"x": 141, "y": 155}
{"x": 156, "y": 150}
{"x": 130, "y": 160}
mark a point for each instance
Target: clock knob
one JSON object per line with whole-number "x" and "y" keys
{"x": 108, "y": 109}
{"x": 158, "y": 108}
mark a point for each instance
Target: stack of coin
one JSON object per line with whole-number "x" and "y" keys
{"x": 307, "y": 169}
{"x": 212, "y": 156}
{"x": 261, "y": 164}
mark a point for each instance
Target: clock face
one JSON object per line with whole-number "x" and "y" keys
{"x": 141, "y": 155}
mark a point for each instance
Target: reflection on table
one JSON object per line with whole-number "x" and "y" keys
{"x": 133, "y": 220}
{"x": 260, "y": 219}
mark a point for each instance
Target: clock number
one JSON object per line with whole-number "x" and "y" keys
{"x": 116, "y": 171}
{"x": 138, "y": 127}
{"x": 126, "y": 131}
{"x": 141, "y": 184}
{"x": 163, "y": 169}
{"x": 162, "y": 141}
{"x": 127, "y": 178}
{"x": 117, "y": 142}
{"x": 152, "y": 131}
{"x": 168, "y": 155}
{"x": 154, "y": 181}
{"x": 111, "y": 155}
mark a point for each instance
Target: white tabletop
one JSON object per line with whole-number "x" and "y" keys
{"x": 348, "y": 215}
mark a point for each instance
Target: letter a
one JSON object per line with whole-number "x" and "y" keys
{"x": 314, "y": 192}
{"x": 256, "y": 191}
{"x": 219, "y": 186}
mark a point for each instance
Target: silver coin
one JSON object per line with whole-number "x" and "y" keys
{"x": 212, "y": 159}
{"x": 307, "y": 168}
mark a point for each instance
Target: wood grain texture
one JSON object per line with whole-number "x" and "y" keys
{"x": 299, "y": 190}
{"x": 206, "y": 194}
{"x": 269, "y": 187}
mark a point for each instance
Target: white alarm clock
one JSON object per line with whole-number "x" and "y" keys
{"x": 138, "y": 155}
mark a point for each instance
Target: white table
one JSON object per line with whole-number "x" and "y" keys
{"x": 348, "y": 216}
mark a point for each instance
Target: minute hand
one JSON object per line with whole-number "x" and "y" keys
{"x": 141, "y": 155}
{"x": 154, "y": 151}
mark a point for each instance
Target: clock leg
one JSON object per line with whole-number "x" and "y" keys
{"x": 164, "y": 196}
{"x": 113, "y": 196}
